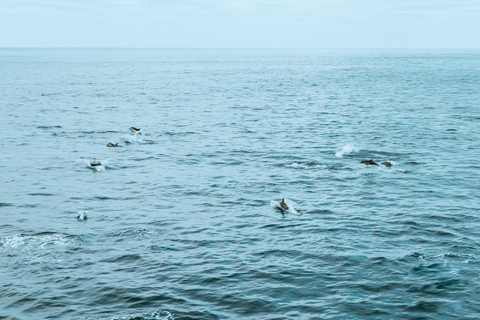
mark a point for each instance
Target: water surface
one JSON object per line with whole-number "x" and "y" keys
{"x": 182, "y": 222}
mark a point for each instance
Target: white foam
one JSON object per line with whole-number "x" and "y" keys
{"x": 464, "y": 257}
{"x": 37, "y": 241}
{"x": 35, "y": 249}
{"x": 157, "y": 315}
{"x": 349, "y": 148}
{"x": 298, "y": 165}
{"x": 133, "y": 138}
{"x": 13, "y": 241}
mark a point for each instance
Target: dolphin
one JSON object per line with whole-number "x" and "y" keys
{"x": 282, "y": 204}
{"x": 369, "y": 162}
{"x": 82, "y": 215}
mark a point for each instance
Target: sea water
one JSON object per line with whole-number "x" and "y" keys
{"x": 182, "y": 218}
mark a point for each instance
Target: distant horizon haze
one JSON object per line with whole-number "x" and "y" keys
{"x": 304, "y": 24}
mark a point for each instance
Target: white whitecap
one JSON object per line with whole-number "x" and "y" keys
{"x": 35, "y": 241}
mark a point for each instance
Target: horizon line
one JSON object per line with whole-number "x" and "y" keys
{"x": 241, "y": 48}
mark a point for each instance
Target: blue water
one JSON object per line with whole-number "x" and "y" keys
{"x": 182, "y": 217}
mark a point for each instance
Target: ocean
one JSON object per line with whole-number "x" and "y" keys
{"x": 181, "y": 219}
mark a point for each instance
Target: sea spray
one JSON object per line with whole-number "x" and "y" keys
{"x": 347, "y": 149}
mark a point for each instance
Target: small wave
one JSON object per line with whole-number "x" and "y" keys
{"x": 5, "y": 204}
{"x": 107, "y": 131}
{"x": 135, "y": 234}
{"x": 104, "y": 198}
{"x": 123, "y": 258}
{"x": 307, "y": 165}
{"x": 468, "y": 118}
{"x": 174, "y": 133}
{"x": 414, "y": 163}
{"x": 49, "y": 127}
{"x": 59, "y": 134}
{"x": 156, "y": 315}
{"x": 347, "y": 149}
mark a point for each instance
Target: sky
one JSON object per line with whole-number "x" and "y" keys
{"x": 241, "y": 23}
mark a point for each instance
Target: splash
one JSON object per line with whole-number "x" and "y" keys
{"x": 101, "y": 167}
{"x": 349, "y": 148}
{"x": 135, "y": 138}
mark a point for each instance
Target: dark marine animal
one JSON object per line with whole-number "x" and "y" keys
{"x": 82, "y": 215}
{"x": 386, "y": 163}
{"x": 112, "y": 144}
{"x": 134, "y": 130}
{"x": 369, "y": 162}
{"x": 282, "y": 204}
{"x": 95, "y": 164}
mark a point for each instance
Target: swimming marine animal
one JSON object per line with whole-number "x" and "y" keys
{"x": 134, "y": 130}
{"x": 95, "y": 164}
{"x": 112, "y": 144}
{"x": 386, "y": 163}
{"x": 369, "y": 162}
{"x": 82, "y": 215}
{"x": 282, "y": 204}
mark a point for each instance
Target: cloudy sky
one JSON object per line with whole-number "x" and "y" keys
{"x": 241, "y": 23}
